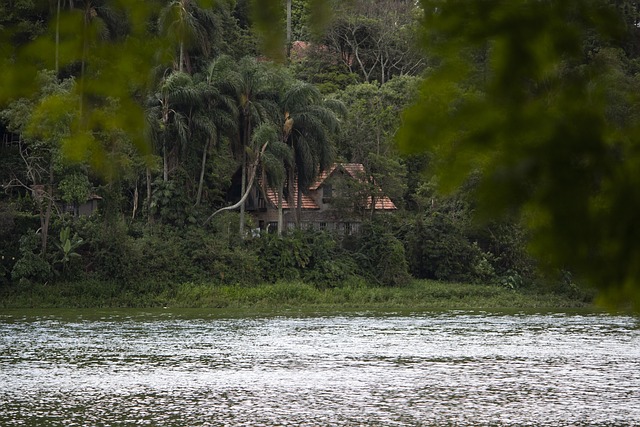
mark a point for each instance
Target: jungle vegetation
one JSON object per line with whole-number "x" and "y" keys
{"x": 517, "y": 123}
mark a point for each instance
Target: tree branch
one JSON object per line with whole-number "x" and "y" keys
{"x": 254, "y": 168}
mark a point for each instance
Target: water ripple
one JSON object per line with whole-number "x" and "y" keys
{"x": 449, "y": 369}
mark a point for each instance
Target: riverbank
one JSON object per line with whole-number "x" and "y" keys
{"x": 418, "y": 295}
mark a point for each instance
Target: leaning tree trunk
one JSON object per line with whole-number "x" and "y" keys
{"x": 252, "y": 176}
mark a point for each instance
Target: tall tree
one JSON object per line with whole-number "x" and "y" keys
{"x": 186, "y": 25}
{"x": 220, "y": 109}
{"x": 310, "y": 122}
{"x": 376, "y": 39}
{"x": 169, "y": 116}
{"x": 42, "y": 121}
{"x": 256, "y": 96}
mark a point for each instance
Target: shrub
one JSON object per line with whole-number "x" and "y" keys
{"x": 31, "y": 267}
{"x": 380, "y": 255}
{"x": 329, "y": 264}
{"x": 108, "y": 252}
{"x": 283, "y": 257}
{"x": 438, "y": 249}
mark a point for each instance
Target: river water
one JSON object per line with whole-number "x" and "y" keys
{"x": 193, "y": 368}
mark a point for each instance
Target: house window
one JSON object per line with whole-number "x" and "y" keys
{"x": 323, "y": 226}
{"x": 327, "y": 193}
{"x": 272, "y": 227}
{"x": 347, "y": 228}
{"x": 262, "y": 203}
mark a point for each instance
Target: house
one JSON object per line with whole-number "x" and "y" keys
{"x": 87, "y": 208}
{"x": 339, "y": 200}
{"x": 81, "y": 209}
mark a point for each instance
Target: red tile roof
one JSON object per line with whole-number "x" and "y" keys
{"x": 383, "y": 203}
{"x": 307, "y": 202}
{"x": 355, "y": 170}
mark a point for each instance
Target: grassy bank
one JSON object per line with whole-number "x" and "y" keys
{"x": 418, "y": 295}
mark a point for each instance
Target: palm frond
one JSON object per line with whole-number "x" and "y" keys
{"x": 265, "y": 133}
{"x": 281, "y": 151}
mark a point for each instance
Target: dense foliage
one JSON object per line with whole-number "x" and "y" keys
{"x": 539, "y": 100}
{"x": 163, "y": 114}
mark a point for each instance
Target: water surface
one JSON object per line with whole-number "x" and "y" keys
{"x": 130, "y": 368}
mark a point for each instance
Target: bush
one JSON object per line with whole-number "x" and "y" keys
{"x": 108, "y": 252}
{"x": 438, "y": 249}
{"x": 380, "y": 255}
{"x": 31, "y": 267}
{"x": 313, "y": 256}
{"x": 329, "y": 265}
{"x": 283, "y": 257}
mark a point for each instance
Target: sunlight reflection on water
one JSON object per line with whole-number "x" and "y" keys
{"x": 427, "y": 369}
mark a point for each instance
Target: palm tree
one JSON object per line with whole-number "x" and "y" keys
{"x": 170, "y": 115}
{"x": 277, "y": 159}
{"x": 309, "y": 123}
{"x": 220, "y": 110}
{"x": 263, "y": 136}
{"x": 256, "y": 98}
{"x": 187, "y": 25}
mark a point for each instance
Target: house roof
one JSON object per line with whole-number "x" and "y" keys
{"x": 355, "y": 170}
{"x": 307, "y": 201}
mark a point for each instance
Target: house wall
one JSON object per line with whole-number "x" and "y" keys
{"x": 317, "y": 220}
{"x": 325, "y": 217}
{"x": 318, "y": 197}
{"x": 87, "y": 208}
{"x": 84, "y": 209}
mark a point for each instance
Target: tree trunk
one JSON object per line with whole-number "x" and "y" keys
{"x": 280, "y": 213}
{"x": 165, "y": 160}
{"x": 246, "y": 138}
{"x": 252, "y": 176}
{"x": 58, "y": 38}
{"x": 85, "y": 52}
{"x": 202, "y": 170}
{"x": 46, "y": 219}
{"x": 135, "y": 201}
{"x": 299, "y": 207}
{"x": 148, "y": 207}
{"x": 291, "y": 195}
{"x": 243, "y": 191}
{"x": 373, "y": 200}
{"x": 289, "y": 41}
